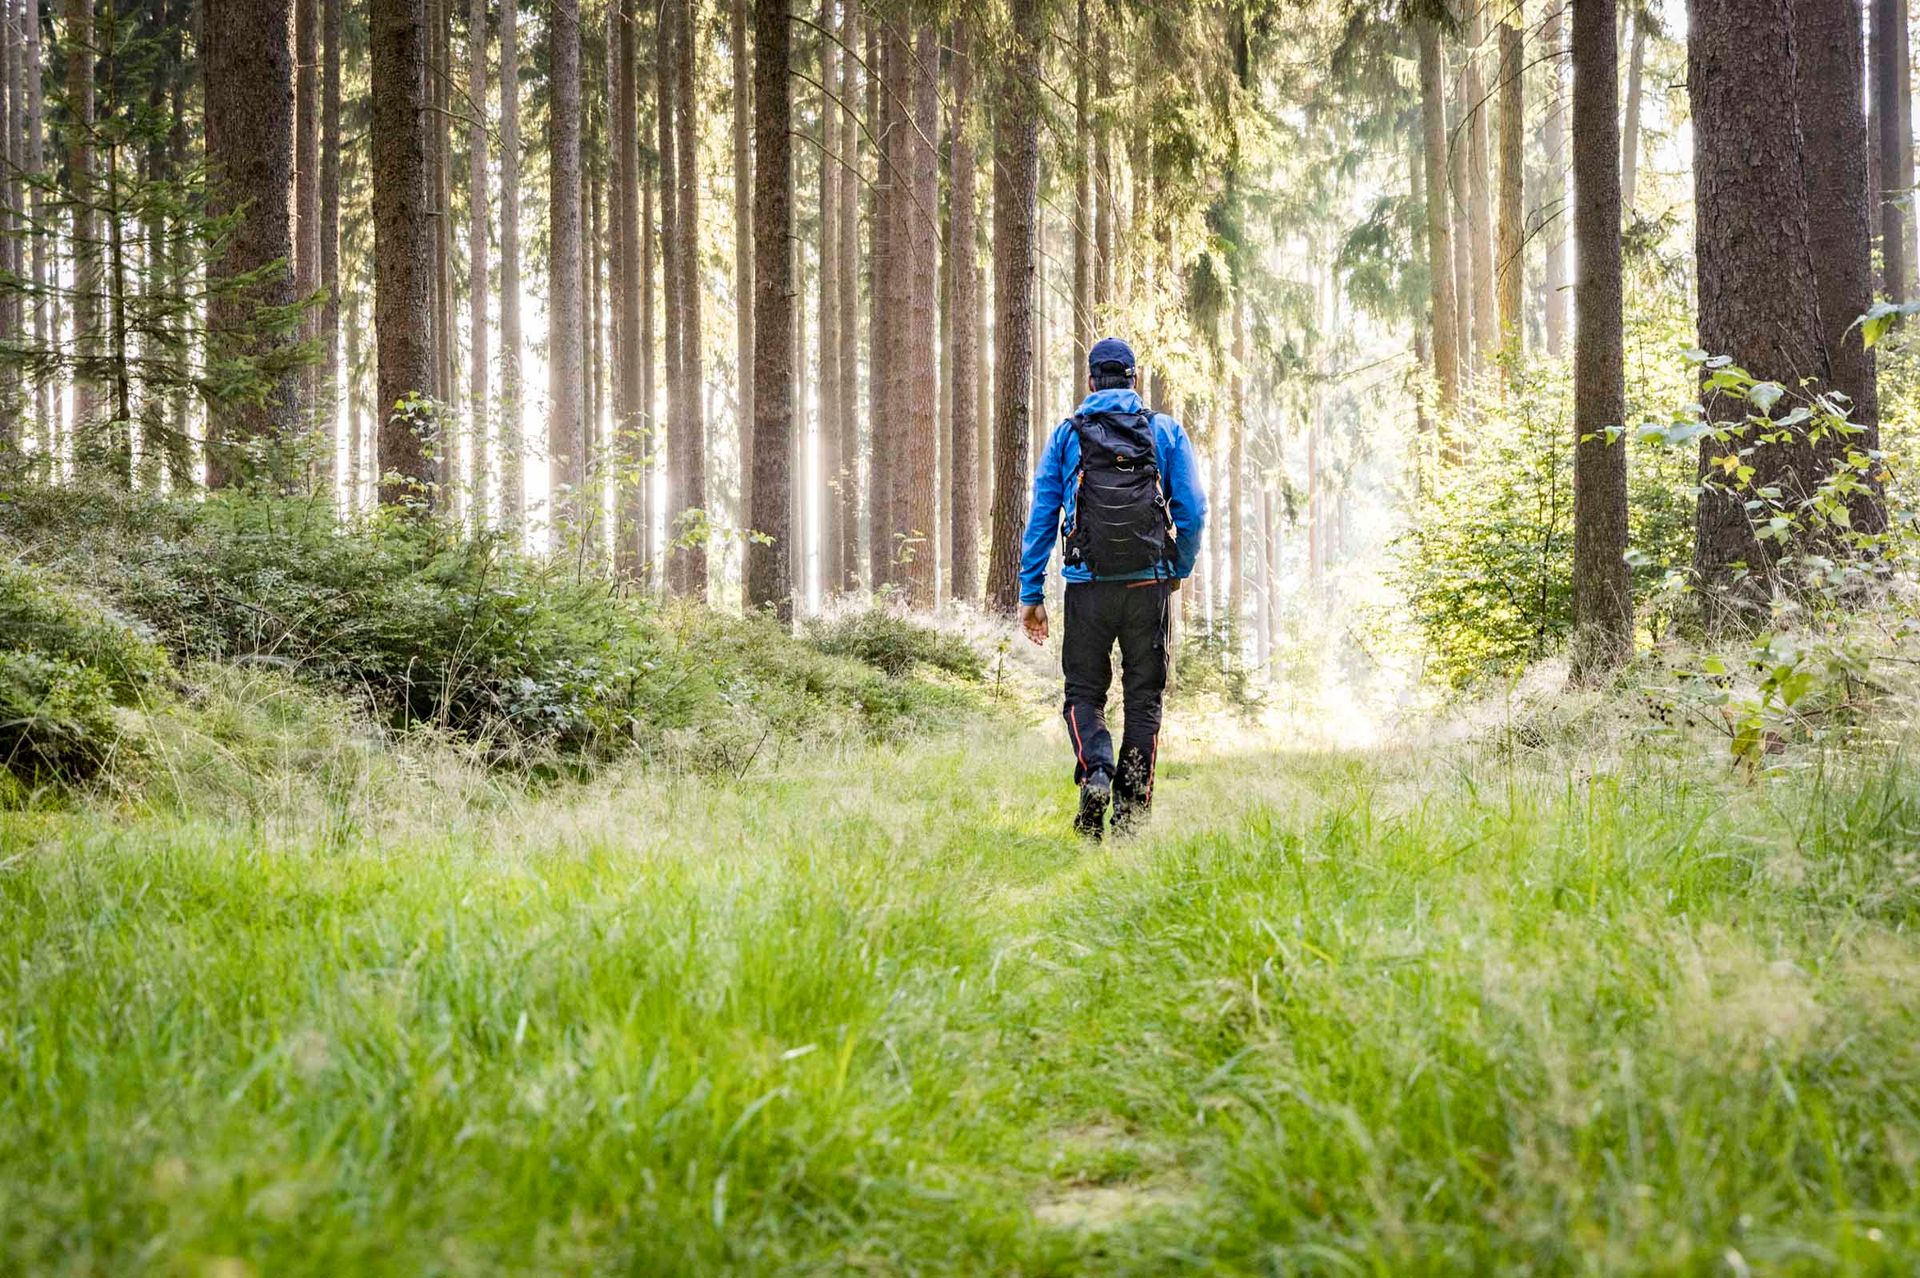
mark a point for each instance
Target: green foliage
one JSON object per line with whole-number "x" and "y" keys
{"x": 431, "y": 629}
{"x": 894, "y": 644}
{"x": 1486, "y": 566}
{"x": 65, "y": 665}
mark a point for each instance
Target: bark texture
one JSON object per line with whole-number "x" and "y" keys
{"x": 513, "y": 499}
{"x": 403, "y": 252}
{"x": 1016, "y": 180}
{"x": 769, "y": 561}
{"x": 1433, "y": 123}
{"x": 1602, "y": 600}
{"x": 1510, "y": 256}
{"x": 566, "y": 310}
{"x": 963, "y": 269}
{"x": 248, "y": 64}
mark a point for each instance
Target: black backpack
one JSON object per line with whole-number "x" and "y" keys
{"x": 1120, "y": 519}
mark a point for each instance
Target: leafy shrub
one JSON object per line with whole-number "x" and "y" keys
{"x": 65, "y": 663}
{"x": 428, "y": 627}
{"x": 894, "y": 644}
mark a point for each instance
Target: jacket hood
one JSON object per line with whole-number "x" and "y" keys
{"x": 1118, "y": 400}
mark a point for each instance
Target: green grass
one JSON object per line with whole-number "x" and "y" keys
{"x": 1407, "y": 1012}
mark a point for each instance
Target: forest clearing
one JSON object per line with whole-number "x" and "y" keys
{"x": 561, "y": 567}
{"x": 1584, "y": 1005}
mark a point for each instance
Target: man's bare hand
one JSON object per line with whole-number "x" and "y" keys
{"x": 1033, "y": 620}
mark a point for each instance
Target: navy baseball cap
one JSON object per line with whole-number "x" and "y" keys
{"x": 1110, "y": 350}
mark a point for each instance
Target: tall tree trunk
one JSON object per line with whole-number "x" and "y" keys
{"x": 1759, "y": 299}
{"x": 306, "y": 170}
{"x": 440, "y": 94}
{"x": 1103, "y": 176}
{"x": 1016, "y": 183}
{"x": 1037, "y": 414}
{"x": 743, "y": 253}
{"x": 566, "y": 429}
{"x": 1630, "y": 130}
{"x": 1460, "y": 195}
{"x": 1511, "y": 261}
{"x": 36, "y": 168}
{"x": 849, "y": 340}
{"x": 1554, "y": 219}
{"x": 1486, "y": 320}
{"x": 770, "y": 581}
{"x": 687, "y": 445}
{"x": 1602, "y": 599}
{"x": 879, "y": 238}
{"x": 328, "y": 403}
{"x": 513, "y": 498}
{"x": 1082, "y": 197}
{"x": 635, "y": 329}
{"x": 646, "y": 427}
{"x": 914, "y": 462}
{"x": 249, "y": 96}
{"x": 1236, "y": 481}
{"x": 963, "y": 270}
{"x": 78, "y": 38}
{"x": 477, "y": 381}
{"x": 832, "y": 379}
{"x": 666, "y": 93}
{"x": 1433, "y": 121}
{"x": 1890, "y": 85}
{"x": 1827, "y": 42}
{"x": 403, "y": 252}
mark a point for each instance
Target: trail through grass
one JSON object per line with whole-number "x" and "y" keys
{"x": 1393, "y": 1012}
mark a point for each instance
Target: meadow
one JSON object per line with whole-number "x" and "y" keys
{"x": 1560, "y": 997}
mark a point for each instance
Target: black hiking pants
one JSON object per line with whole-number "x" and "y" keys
{"x": 1133, "y": 614}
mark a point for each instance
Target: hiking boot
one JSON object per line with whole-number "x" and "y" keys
{"x": 1096, "y": 792}
{"x": 1129, "y": 815}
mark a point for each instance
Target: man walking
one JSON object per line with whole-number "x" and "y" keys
{"x": 1117, "y": 485}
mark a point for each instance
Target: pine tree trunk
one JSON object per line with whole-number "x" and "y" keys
{"x": 1827, "y": 41}
{"x": 687, "y": 445}
{"x": 440, "y": 94}
{"x": 915, "y": 462}
{"x": 78, "y": 39}
{"x": 634, "y": 327}
{"x": 1037, "y": 415}
{"x": 1554, "y": 143}
{"x": 1486, "y": 319}
{"x": 832, "y": 379}
{"x": 13, "y": 435}
{"x": 963, "y": 271}
{"x": 1630, "y": 130}
{"x": 478, "y": 430}
{"x": 306, "y": 165}
{"x": 1236, "y": 482}
{"x": 769, "y": 563}
{"x": 566, "y": 429}
{"x": 647, "y": 421}
{"x": 743, "y": 251}
{"x": 1103, "y": 176}
{"x": 666, "y": 89}
{"x": 849, "y": 340}
{"x": 1511, "y": 261}
{"x": 1016, "y": 184}
{"x": 879, "y": 241}
{"x": 1460, "y": 196}
{"x": 249, "y": 125}
{"x": 1602, "y": 599}
{"x": 403, "y": 252}
{"x": 1082, "y": 198}
{"x": 328, "y": 403}
{"x": 513, "y": 499}
{"x": 1890, "y": 85}
{"x": 1433, "y": 120}
{"x": 1759, "y": 300}
{"x": 36, "y": 168}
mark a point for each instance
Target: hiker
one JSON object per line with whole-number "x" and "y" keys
{"x": 1123, "y": 483}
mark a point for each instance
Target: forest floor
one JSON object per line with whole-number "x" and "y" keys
{"x": 1595, "y": 1006}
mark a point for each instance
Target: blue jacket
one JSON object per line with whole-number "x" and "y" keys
{"x": 1053, "y": 491}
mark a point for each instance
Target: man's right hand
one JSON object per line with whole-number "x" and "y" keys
{"x": 1033, "y": 620}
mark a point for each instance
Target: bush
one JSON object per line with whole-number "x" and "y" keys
{"x": 65, "y": 664}
{"x": 431, "y": 628}
{"x": 894, "y": 645}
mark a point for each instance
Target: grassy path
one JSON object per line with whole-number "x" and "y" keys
{"x": 1336, "y": 1014}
